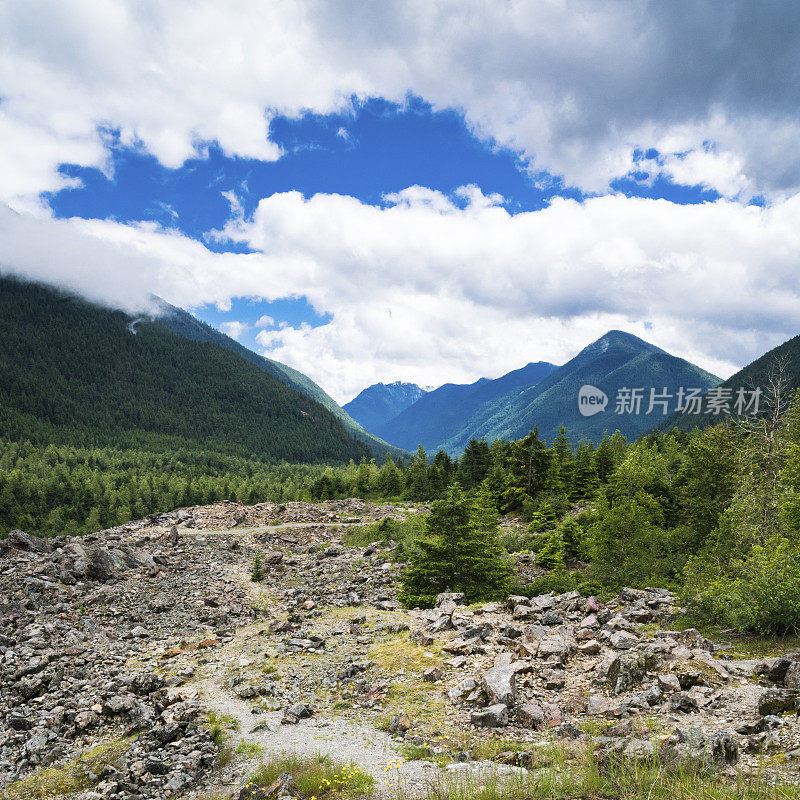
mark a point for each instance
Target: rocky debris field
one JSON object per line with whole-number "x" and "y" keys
{"x": 142, "y": 662}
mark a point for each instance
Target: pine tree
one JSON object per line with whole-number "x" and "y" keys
{"x": 257, "y": 573}
{"x": 459, "y": 553}
{"x": 417, "y": 484}
{"x": 561, "y": 462}
{"x": 584, "y": 475}
{"x": 543, "y": 519}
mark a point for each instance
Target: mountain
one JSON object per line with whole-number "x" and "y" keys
{"x": 73, "y": 372}
{"x": 382, "y": 402}
{"x": 616, "y": 360}
{"x": 444, "y": 413}
{"x": 758, "y": 373}
{"x": 184, "y": 324}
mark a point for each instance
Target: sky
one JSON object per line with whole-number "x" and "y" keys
{"x": 425, "y": 190}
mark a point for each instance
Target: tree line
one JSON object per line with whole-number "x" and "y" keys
{"x": 714, "y": 513}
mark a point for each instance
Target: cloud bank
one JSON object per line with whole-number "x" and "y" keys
{"x": 576, "y": 86}
{"x": 429, "y": 291}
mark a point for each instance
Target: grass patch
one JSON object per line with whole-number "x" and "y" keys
{"x": 219, "y": 725}
{"x": 402, "y": 531}
{"x": 421, "y": 752}
{"x": 82, "y": 773}
{"x": 734, "y": 644}
{"x": 401, "y": 653}
{"x": 249, "y": 749}
{"x": 317, "y": 777}
{"x": 579, "y": 776}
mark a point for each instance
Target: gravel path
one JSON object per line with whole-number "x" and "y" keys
{"x": 372, "y": 750}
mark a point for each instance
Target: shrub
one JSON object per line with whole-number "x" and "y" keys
{"x": 759, "y": 593}
{"x": 317, "y": 776}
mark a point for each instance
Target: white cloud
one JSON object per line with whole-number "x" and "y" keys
{"x": 234, "y": 328}
{"x": 431, "y": 292}
{"x": 574, "y": 86}
{"x": 265, "y": 321}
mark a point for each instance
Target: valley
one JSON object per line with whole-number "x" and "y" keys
{"x": 144, "y": 661}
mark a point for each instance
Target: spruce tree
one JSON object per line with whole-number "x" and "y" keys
{"x": 459, "y": 553}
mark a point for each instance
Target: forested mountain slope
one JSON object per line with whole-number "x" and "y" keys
{"x": 184, "y": 324}
{"x": 74, "y": 372}
{"x": 781, "y": 363}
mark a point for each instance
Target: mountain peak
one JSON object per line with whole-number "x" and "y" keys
{"x": 616, "y": 338}
{"x": 381, "y": 402}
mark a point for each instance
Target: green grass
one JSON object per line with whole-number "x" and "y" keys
{"x": 565, "y": 775}
{"x": 249, "y": 749}
{"x": 219, "y": 725}
{"x": 398, "y": 530}
{"x": 317, "y": 777}
{"x": 734, "y": 644}
{"x": 78, "y": 775}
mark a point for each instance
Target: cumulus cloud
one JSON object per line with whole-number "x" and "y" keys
{"x": 574, "y": 86}
{"x": 265, "y": 321}
{"x": 434, "y": 290}
{"x": 234, "y": 328}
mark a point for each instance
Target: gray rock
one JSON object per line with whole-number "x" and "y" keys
{"x": 30, "y": 544}
{"x": 668, "y": 682}
{"x": 623, "y": 640}
{"x": 494, "y": 716}
{"x": 722, "y": 748}
{"x": 777, "y": 701}
{"x": 531, "y": 715}
{"x": 791, "y": 680}
{"x": 500, "y": 685}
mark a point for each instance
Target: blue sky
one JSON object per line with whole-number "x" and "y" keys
{"x": 374, "y": 149}
{"x": 415, "y": 189}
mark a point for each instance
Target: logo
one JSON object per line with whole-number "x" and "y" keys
{"x": 591, "y": 400}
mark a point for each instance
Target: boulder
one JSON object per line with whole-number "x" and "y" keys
{"x": 531, "y": 715}
{"x": 623, "y": 640}
{"x": 29, "y": 544}
{"x": 628, "y": 669}
{"x": 791, "y": 680}
{"x": 400, "y": 723}
{"x": 432, "y": 674}
{"x": 777, "y": 701}
{"x": 722, "y": 749}
{"x": 494, "y": 716}
{"x": 457, "y": 598}
{"x": 500, "y": 685}
{"x": 668, "y": 682}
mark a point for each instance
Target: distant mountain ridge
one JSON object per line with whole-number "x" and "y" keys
{"x": 445, "y": 413}
{"x": 615, "y": 361}
{"x": 382, "y": 402}
{"x": 545, "y": 396}
{"x": 757, "y": 374}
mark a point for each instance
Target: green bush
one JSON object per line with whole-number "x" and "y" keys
{"x": 759, "y": 593}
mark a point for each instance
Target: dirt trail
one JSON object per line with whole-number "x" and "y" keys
{"x": 372, "y": 750}
{"x": 375, "y": 751}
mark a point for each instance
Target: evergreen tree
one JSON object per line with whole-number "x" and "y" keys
{"x": 561, "y": 463}
{"x": 459, "y": 553}
{"x": 417, "y": 484}
{"x": 584, "y": 475}
{"x": 389, "y": 478}
{"x": 529, "y": 468}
